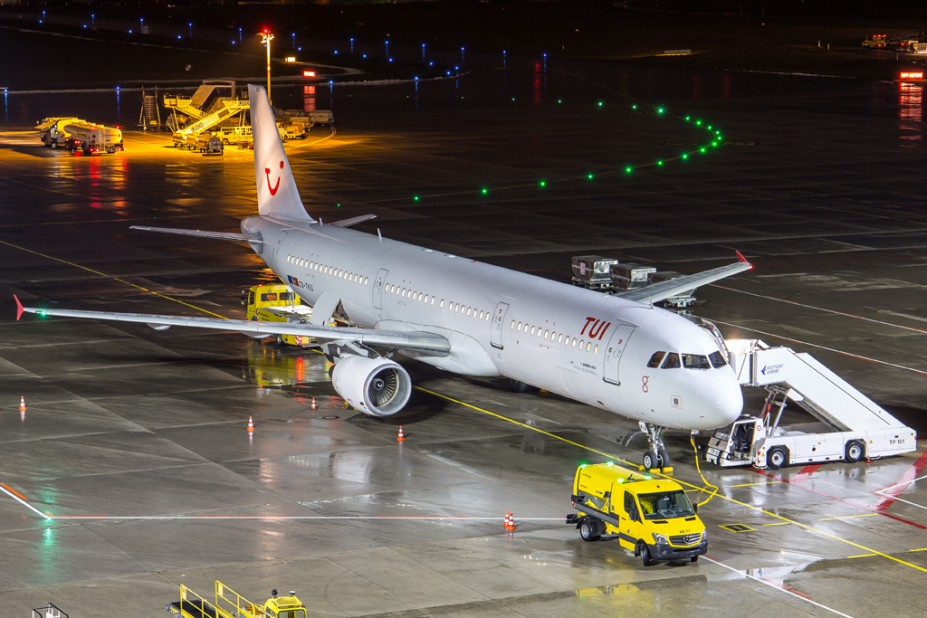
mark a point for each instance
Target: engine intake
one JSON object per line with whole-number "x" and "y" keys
{"x": 375, "y": 386}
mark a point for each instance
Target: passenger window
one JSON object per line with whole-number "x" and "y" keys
{"x": 672, "y": 361}
{"x": 654, "y": 361}
{"x": 717, "y": 360}
{"x": 695, "y": 361}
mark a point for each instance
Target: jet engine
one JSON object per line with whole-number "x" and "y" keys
{"x": 375, "y": 386}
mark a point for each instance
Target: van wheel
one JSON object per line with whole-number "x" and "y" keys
{"x": 651, "y": 460}
{"x": 644, "y": 553}
{"x": 590, "y": 530}
{"x": 693, "y": 559}
{"x": 854, "y": 451}
{"x": 279, "y": 339}
{"x": 777, "y": 457}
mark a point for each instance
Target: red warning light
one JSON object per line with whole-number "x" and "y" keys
{"x": 911, "y": 75}
{"x": 308, "y": 73}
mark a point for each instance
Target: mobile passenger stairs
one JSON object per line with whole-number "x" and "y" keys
{"x": 213, "y": 104}
{"x": 858, "y": 426}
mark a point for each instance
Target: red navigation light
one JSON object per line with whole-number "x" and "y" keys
{"x": 308, "y": 73}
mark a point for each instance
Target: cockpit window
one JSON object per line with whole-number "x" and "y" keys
{"x": 695, "y": 361}
{"x": 671, "y": 361}
{"x": 717, "y": 359}
{"x": 654, "y": 361}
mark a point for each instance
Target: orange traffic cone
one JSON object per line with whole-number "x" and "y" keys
{"x": 250, "y": 425}
{"x": 22, "y": 403}
{"x": 400, "y": 437}
{"x": 508, "y": 522}
{"x": 313, "y": 405}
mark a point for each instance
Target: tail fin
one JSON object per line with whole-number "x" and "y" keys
{"x": 276, "y": 190}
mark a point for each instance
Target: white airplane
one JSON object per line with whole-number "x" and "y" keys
{"x": 618, "y": 353}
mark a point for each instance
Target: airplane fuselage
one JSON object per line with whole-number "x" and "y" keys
{"x": 568, "y": 340}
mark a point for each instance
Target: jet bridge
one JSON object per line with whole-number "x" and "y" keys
{"x": 854, "y": 426}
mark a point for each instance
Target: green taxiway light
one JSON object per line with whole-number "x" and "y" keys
{"x": 590, "y": 176}
{"x": 659, "y": 162}
{"x": 559, "y": 101}
{"x": 542, "y": 184}
{"x": 628, "y": 169}
{"x": 708, "y": 127}
{"x": 484, "y": 191}
{"x": 661, "y": 110}
{"x": 416, "y": 198}
{"x": 600, "y": 103}
{"x": 688, "y": 117}
{"x": 338, "y": 205}
{"x": 634, "y": 107}
{"x": 698, "y": 122}
{"x": 703, "y": 150}
{"x": 684, "y": 156}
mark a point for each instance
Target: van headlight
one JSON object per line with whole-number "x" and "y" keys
{"x": 704, "y": 536}
{"x": 660, "y": 539}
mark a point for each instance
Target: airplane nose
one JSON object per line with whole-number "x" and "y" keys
{"x": 721, "y": 402}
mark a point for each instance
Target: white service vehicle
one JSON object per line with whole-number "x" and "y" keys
{"x": 853, "y": 426}
{"x": 89, "y": 138}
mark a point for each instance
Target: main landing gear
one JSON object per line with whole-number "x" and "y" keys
{"x": 656, "y": 456}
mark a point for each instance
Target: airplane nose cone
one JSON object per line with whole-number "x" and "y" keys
{"x": 721, "y": 402}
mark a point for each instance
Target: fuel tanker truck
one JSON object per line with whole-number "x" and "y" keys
{"x": 79, "y": 135}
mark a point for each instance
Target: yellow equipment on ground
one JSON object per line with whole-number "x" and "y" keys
{"x": 230, "y": 604}
{"x": 651, "y": 517}
{"x": 278, "y": 303}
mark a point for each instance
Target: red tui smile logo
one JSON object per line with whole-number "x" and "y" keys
{"x": 276, "y": 186}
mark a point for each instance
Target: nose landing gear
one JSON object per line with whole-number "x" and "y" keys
{"x": 656, "y": 456}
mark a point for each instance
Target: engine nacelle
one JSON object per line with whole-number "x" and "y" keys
{"x": 375, "y": 386}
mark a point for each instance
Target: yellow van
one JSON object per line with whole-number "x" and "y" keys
{"x": 651, "y": 517}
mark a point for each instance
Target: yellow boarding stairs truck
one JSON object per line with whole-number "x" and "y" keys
{"x": 651, "y": 517}
{"x": 278, "y": 303}
{"x": 230, "y": 604}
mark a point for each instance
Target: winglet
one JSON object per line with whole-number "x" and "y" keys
{"x": 741, "y": 258}
{"x": 19, "y": 308}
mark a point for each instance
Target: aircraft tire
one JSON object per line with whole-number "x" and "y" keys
{"x": 651, "y": 460}
{"x": 777, "y": 457}
{"x": 854, "y": 451}
{"x": 663, "y": 458}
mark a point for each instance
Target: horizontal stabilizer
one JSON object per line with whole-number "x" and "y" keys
{"x": 667, "y": 289}
{"x": 353, "y": 220}
{"x": 200, "y": 233}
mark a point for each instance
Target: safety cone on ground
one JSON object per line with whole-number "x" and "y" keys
{"x": 400, "y": 437}
{"x": 22, "y": 403}
{"x": 250, "y": 425}
{"x": 313, "y": 404}
{"x": 508, "y": 522}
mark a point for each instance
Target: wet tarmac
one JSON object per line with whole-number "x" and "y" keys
{"x": 132, "y": 465}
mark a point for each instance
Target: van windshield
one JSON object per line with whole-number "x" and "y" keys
{"x": 666, "y": 505}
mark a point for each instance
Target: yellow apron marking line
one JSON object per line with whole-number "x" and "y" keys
{"x": 849, "y": 516}
{"x": 781, "y": 518}
{"x": 759, "y": 484}
{"x": 112, "y": 278}
{"x": 862, "y": 556}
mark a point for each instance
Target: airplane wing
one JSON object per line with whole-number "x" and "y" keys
{"x": 665, "y": 289}
{"x": 406, "y": 340}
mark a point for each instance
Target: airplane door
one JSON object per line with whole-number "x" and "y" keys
{"x": 378, "y": 288}
{"x": 498, "y": 318}
{"x": 280, "y": 240}
{"x": 614, "y": 350}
